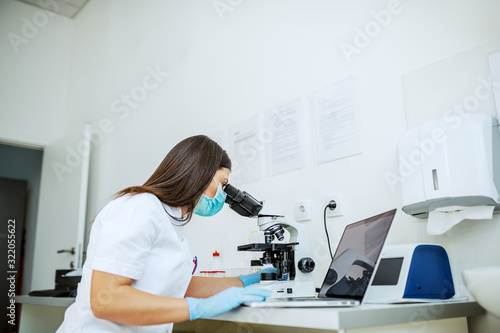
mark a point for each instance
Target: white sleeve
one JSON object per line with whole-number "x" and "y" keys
{"x": 128, "y": 230}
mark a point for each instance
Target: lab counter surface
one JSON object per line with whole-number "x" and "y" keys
{"x": 47, "y": 313}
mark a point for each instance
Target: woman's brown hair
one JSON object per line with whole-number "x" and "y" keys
{"x": 184, "y": 173}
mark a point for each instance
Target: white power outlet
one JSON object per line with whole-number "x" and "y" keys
{"x": 339, "y": 200}
{"x": 303, "y": 210}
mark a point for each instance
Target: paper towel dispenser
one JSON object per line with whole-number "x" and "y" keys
{"x": 452, "y": 161}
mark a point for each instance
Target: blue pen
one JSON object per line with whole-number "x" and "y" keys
{"x": 195, "y": 261}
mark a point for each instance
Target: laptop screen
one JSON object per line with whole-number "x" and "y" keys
{"x": 359, "y": 249}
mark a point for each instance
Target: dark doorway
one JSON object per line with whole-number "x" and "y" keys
{"x": 20, "y": 173}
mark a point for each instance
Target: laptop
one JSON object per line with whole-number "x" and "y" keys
{"x": 351, "y": 270}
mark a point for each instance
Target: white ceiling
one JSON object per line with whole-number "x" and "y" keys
{"x": 68, "y": 8}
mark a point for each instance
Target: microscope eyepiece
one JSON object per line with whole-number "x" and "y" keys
{"x": 242, "y": 202}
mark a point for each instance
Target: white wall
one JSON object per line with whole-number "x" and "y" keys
{"x": 263, "y": 53}
{"x": 34, "y": 61}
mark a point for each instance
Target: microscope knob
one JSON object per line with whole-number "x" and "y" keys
{"x": 306, "y": 265}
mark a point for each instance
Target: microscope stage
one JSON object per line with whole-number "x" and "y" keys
{"x": 266, "y": 246}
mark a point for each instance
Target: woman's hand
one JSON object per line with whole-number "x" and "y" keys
{"x": 225, "y": 301}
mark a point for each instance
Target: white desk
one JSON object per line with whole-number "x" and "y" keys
{"x": 444, "y": 317}
{"x": 45, "y": 314}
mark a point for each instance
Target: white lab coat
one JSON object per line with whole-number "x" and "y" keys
{"x": 133, "y": 236}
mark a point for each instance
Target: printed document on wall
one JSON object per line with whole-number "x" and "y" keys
{"x": 246, "y": 151}
{"x": 336, "y": 121}
{"x": 494, "y": 60}
{"x": 285, "y": 127}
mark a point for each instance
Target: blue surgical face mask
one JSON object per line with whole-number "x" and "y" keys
{"x": 210, "y": 206}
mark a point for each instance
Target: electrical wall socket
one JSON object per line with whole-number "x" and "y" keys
{"x": 339, "y": 200}
{"x": 302, "y": 210}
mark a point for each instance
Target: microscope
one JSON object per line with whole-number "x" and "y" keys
{"x": 293, "y": 265}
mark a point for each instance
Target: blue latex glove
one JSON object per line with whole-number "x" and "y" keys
{"x": 255, "y": 277}
{"x": 224, "y": 301}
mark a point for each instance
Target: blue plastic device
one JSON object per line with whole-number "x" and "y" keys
{"x": 429, "y": 275}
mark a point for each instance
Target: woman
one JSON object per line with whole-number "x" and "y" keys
{"x": 137, "y": 276}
